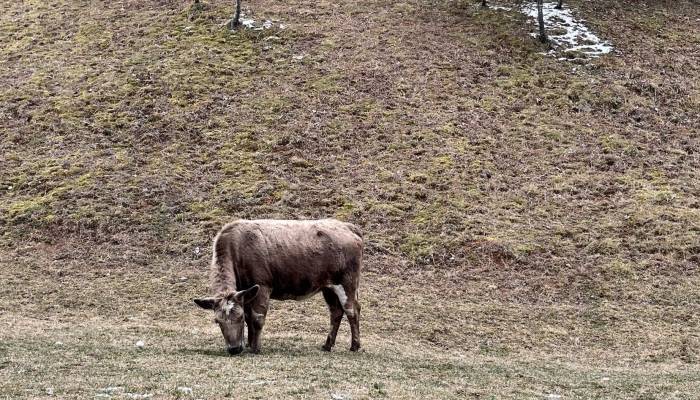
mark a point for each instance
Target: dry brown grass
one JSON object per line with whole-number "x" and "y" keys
{"x": 533, "y": 226}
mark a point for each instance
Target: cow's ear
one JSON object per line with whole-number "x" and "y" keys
{"x": 246, "y": 296}
{"x": 207, "y": 303}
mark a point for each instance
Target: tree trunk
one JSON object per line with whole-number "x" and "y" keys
{"x": 540, "y": 21}
{"x": 483, "y": 3}
{"x": 559, "y": 4}
{"x": 237, "y": 15}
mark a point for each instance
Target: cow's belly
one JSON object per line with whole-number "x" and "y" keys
{"x": 293, "y": 296}
{"x": 296, "y": 289}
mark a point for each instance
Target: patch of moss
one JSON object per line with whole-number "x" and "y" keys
{"x": 206, "y": 210}
{"x": 360, "y": 107}
{"x": 388, "y": 210}
{"x": 272, "y": 105}
{"x": 516, "y": 77}
{"x": 345, "y": 211}
{"x": 328, "y": 84}
{"x": 418, "y": 245}
{"x": 618, "y": 268}
{"x": 442, "y": 163}
{"x": 38, "y": 207}
{"x": 418, "y": 177}
{"x": 606, "y": 246}
{"x": 612, "y": 143}
{"x": 94, "y": 35}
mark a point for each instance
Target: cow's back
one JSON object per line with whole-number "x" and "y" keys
{"x": 294, "y": 258}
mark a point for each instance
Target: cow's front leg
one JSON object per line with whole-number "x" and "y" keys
{"x": 258, "y": 312}
{"x": 249, "y": 324}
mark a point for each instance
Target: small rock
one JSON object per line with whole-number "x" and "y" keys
{"x": 272, "y": 38}
{"x": 184, "y": 390}
{"x": 58, "y": 343}
{"x": 197, "y": 250}
{"x": 140, "y": 344}
{"x": 49, "y": 391}
{"x": 553, "y": 396}
{"x": 9, "y": 188}
{"x": 183, "y": 279}
{"x": 298, "y": 58}
{"x": 340, "y": 396}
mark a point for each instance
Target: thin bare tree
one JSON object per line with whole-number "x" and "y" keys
{"x": 559, "y": 4}
{"x": 237, "y": 15}
{"x": 540, "y": 21}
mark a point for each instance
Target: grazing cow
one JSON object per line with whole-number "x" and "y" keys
{"x": 255, "y": 261}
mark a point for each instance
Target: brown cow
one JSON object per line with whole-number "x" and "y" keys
{"x": 255, "y": 261}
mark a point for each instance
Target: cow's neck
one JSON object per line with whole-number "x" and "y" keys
{"x": 223, "y": 280}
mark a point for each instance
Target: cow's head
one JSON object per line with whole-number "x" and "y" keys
{"x": 229, "y": 315}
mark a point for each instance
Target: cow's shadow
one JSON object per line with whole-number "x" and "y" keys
{"x": 273, "y": 347}
{"x": 213, "y": 352}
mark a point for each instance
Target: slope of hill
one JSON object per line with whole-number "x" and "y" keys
{"x": 533, "y": 226}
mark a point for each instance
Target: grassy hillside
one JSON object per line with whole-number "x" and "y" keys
{"x": 533, "y": 226}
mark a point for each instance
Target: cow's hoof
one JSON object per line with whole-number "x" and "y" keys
{"x": 355, "y": 347}
{"x": 326, "y": 347}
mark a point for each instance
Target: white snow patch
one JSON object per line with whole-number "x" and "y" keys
{"x": 112, "y": 389}
{"x": 576, "y": 35}
{"x": 138, "y": 395}
{"x": 250, "y": 23}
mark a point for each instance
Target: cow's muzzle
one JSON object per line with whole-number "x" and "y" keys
{"x": 234, "y": 350}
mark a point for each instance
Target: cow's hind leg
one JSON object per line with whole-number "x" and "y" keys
{"x": 336, "y": 310}
{"x": 353, "y": 313}
{"x": 347, "y": 294}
